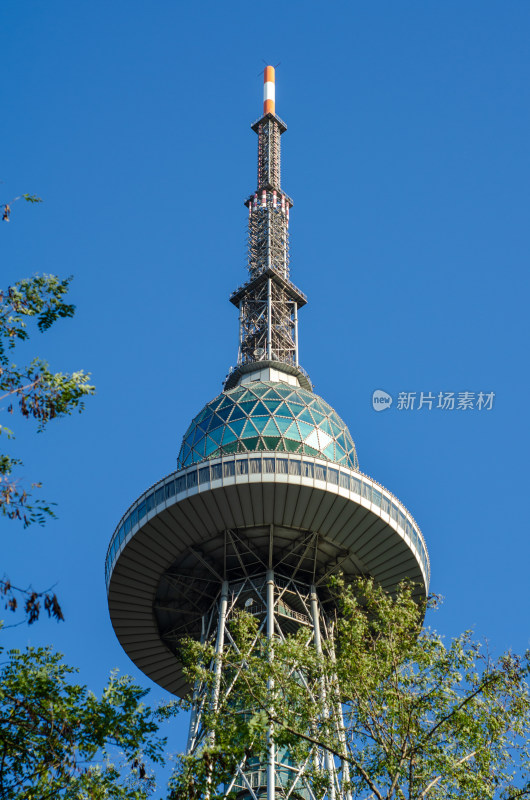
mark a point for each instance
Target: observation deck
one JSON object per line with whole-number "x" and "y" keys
{"x": 229, "y": 518}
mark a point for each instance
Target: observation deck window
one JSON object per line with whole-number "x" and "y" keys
{"x": 376, "y": 497}
{"x": 295, "y": 466}
{"x": 229, "y": 469}
{"x": 180, "y": 484}
{"x": 307, "y": 469}
{"x": 192, "y": 479}
{"x": 320, "y": 472}
{"x": 355, "y": 485}
{"x": 141, "y": 511}
{"x": 282, "y": 466}
{"x": 414, "y": 537}
{"x": 269, "y": 465}
{"x": 150, "y": 502}
{"x": 170, "y": 489}
{"x": 333, "y": 476}
{"x": 217, "y": 472}
{"x": 242, "y": 466}
{"x": 255, "y": 466}
{"x": 159, "y": 496}
{"x": 204, "y": 474}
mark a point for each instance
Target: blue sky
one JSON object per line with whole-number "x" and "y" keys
{"x": 407, "y": 158}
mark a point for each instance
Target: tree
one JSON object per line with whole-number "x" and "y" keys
{"x": 413, "y": 719}
{"x": 39, "y": 394}
{"x": 58, "y": 740}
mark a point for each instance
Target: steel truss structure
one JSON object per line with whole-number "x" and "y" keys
{"x": 282, "y": 605}
{"x": 268, "y": 303}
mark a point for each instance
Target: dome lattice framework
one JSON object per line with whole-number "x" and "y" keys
{"x": 267, "y": 416}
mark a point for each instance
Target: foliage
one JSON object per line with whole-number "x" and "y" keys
{"x": 39, "y": 393}
{"x": 32, "y": 602}
{"x": 58, "y": 740}
{"x": 415, "y": 718}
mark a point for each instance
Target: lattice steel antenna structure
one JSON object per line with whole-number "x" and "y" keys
{"x": 266, "y": 504}
{"x": 268, "y": 303}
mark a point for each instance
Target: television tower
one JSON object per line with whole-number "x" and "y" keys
{"x": 267, "y": 503}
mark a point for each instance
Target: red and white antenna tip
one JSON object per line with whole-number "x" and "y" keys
{"x": 269, "y": 90}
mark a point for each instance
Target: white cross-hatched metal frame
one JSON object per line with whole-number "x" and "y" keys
{"x": 265, "y": 595}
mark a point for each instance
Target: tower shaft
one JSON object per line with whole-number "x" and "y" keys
{"x": 280, "y": 605}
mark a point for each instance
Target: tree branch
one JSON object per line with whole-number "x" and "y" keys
{"x": 439, "y": 777}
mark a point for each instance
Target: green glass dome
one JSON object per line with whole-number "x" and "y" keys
{"x": 267, "y": 416}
